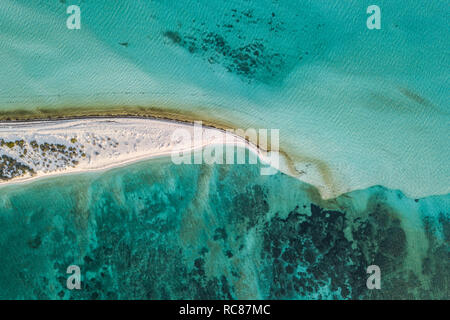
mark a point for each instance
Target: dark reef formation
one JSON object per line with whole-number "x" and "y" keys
{"x": 160, "y": 231}
{"x": 242, "y": 41}
{"x": 251, "y": 60}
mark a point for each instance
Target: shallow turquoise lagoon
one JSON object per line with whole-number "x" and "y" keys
{"x": 310, "y": 68}
{"x": 161, "y": 231}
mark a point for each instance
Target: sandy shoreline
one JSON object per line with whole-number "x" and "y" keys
{"x": 105, "y": 142}
{"x": 99, "y": 143}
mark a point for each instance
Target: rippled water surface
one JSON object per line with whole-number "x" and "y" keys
{"x": 310, "y": 68}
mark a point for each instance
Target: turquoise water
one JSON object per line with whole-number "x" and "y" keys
{"x": 154, "y": 230}
{"x": 310, "y": 68}
{"x": 367, "y": 109}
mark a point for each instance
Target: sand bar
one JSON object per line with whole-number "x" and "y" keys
{"x": 35, "y": 149}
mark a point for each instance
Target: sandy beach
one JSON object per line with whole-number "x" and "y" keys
{"x": 36, "y": 149}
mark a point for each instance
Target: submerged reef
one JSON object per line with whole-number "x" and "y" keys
{"x": 155, "y": 230}
{"x": 250, "y": 60}
{"x": 243, "y": 41}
